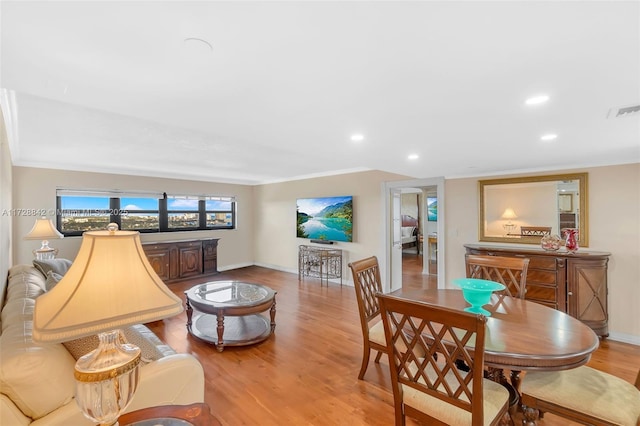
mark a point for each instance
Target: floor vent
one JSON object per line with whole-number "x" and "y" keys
{"x": 624, "y": 111}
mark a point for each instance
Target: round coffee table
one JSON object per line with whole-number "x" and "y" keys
{"x": 228, "y": 313}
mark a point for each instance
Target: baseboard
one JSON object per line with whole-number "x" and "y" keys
{"x": 625, "y": 338}
{"x": 236, "y": 266}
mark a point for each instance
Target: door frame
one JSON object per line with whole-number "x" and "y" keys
{"x": 390, "y": 279}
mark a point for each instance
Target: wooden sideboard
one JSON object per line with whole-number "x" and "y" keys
{"x": 573, "y": 283}
{"x": 177, "y": 260}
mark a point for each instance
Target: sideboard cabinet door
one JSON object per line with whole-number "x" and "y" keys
{"x": 587, "y": 295}
{"x": 159, "y": 259}
{"x": 190, "y": 259}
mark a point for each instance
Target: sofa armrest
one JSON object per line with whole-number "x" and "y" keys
{"x": 174, "y": 379}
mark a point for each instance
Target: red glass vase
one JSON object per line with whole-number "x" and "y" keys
{"x": 571, "y": 242}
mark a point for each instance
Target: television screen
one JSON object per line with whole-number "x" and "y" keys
{"x": 432, "y": 209}
{"x": 326, "y": 218}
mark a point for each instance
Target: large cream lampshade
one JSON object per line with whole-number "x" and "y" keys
{"x": 109, "y": 285}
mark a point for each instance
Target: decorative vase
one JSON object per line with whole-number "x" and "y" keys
{"x": 571, "y": 243}
{"x": 550, "y": 242}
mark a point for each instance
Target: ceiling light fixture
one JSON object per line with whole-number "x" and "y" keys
{"x": 357, "y": 137}
{"x": 413, "y": 156}
{"x": 548, "y": 137}
{"x": 537, "y": 100}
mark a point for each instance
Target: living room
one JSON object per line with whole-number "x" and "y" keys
{"x": 260, "y": 241}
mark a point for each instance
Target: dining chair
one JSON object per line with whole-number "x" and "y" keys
{"x": 583, "y": 394}
{"x": 510, "y": 271}
{"x": 366, "y": 280}
{"x": 423, "y": 343}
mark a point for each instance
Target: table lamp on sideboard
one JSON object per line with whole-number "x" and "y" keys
{"x": 44, "y": 230}
{"x": 109, "y": 285}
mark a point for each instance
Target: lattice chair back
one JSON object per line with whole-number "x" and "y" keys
{"x": 366, "y": 279}
{"x": 367, "y": 283}
{"x": 424, "y": 342}
{"x": 510, "y": 271}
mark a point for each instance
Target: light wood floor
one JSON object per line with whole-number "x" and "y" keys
{"x": 306, "y": 373}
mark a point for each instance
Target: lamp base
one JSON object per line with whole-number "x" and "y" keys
{"x": 107, "y": 378}
{"x": 45, "y": 252}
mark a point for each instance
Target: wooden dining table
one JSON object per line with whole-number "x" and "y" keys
{"x": 521, "y": 335}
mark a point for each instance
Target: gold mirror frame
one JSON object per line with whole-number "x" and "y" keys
{"x": 581, "y": 207}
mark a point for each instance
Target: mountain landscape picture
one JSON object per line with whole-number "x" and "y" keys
{"x": 326, "y": 218}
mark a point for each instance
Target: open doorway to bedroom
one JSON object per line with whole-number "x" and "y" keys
{"x": 415, "y": 254}
{"x": 419, "y": 229}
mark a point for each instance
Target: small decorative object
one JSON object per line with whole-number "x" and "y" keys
{"x": 550, "y": 242}
{"x": 571, "y": 242}
{"x": 477, "y": 293}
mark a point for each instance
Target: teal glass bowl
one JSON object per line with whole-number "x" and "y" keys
{"x": 477, "y": 293}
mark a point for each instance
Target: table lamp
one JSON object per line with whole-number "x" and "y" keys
{"x": 44, "y": 230}
{"x": 109, "y": 285}
{"x": 509, "y": 214}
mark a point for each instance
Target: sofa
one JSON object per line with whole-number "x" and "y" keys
{"x": 36, "y": 379}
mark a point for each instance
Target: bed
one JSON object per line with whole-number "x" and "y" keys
{"x": 409, "y": 231}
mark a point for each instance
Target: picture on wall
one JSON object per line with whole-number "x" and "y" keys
{"x": 432, "y": 209}
{"x": 325, "y": 218}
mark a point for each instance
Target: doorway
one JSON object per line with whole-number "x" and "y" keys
{"x": 428, "y": 215}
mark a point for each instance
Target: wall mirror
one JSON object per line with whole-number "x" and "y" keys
{"x": 521, "y": 210}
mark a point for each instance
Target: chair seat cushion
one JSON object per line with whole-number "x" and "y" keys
{"x": 376, "y": 333}
{"x": 496, "y": 397}
{"x": 587, "y": 391}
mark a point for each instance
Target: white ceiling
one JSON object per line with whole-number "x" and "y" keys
{"x": 113, "y": 87}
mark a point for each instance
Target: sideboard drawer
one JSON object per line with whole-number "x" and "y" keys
{"x": 543, "y": 294}
{"x": 548, "y": 263}
{"x": 541, "y": 277}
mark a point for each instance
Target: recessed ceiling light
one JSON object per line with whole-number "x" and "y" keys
{"x": 536, "y": 100}
{"x": 413, "y": 156}
{"x": 548, "y": 137}
{"x": 357, "y": 137}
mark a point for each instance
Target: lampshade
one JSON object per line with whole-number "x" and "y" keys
{"x": 109, "y": 285}
{"x": 509, "y": 214}
{"x": 43, "y": 229}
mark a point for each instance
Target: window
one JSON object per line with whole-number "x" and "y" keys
{"x": 80, "y": 211}
{"x": 139, "y": 213}
{"x": 77, "y": 214}
{"x": 219, "y": 212}
{"x": 183, "y": 212}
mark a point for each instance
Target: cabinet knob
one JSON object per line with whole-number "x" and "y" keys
{"x": 570, "y": 293}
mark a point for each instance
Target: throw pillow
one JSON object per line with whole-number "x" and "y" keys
{"x": 59, "y": 266}
{"x": 52, "y": 280}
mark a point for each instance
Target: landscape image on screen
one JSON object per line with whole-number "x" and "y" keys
{"x": 432, "y": 209}
{"x": 327, "y": 218}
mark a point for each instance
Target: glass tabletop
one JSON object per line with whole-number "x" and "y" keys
{"x": 235, "y": 293}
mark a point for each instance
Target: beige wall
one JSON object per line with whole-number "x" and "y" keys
{"x": 276, "y": 242}
{"x": 614, "y": 226}
{"x": 36, "y": 189}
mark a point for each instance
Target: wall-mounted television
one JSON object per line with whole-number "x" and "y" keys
{"x": 432, "y": 209}
{"x": 325, "y": 218}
